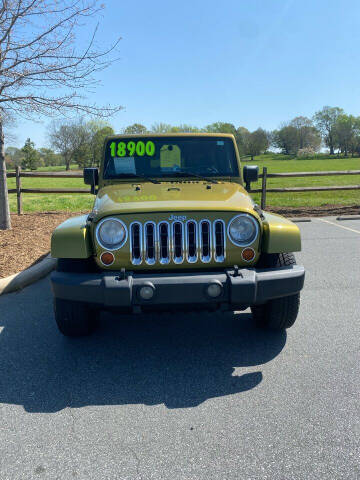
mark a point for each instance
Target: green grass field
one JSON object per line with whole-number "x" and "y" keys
{"x": 274, "y": 162}
{"x": 52, "y": 169}
{"x": 37, "y": 202}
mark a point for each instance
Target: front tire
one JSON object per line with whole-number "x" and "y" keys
{"x": 75, "y": 319}
{"x": 279, "y": 313}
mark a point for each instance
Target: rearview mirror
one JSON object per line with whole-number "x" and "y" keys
{"x": 250, "y": 174}
{"x": 91, "y": 177}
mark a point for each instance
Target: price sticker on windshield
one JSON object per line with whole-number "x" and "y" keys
{"x": 132, "y": 148}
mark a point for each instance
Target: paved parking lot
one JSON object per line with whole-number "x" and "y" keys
{"x": 189, "y": 396}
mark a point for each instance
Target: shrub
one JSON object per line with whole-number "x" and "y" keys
{"x": 306, "y": 152}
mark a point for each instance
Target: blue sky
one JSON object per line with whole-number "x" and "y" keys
{"x": 249, "y": 62}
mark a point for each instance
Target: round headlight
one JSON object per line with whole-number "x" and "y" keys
{"x": 243, "y": 230}
{"x": 111, "y": 233}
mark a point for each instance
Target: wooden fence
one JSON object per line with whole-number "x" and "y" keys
{"x": 263, "y": 190}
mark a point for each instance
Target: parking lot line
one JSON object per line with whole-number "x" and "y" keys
{"x": 339, "y": 226}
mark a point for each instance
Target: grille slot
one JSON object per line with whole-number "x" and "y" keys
{"x": 150, "y": 243}
{"x": 205, "y": 241}
{"x": 192, "y": 241}
{"x": 178, "y": 242}
{"x": 136, "y": 243}
{"x": 164, "y": 243}
{"x": 219, "y": 241}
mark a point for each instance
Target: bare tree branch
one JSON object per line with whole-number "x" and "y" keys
{"x": 43, "y": 71}
{"x": 37, "y": 39}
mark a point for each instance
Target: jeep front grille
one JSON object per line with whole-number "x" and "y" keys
{"x": 178, "y": 242}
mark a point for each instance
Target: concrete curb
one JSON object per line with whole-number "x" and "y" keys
{"x": 300, "y": 219}
{"x": 351, "y": 217}
{"x": 22, "y": 279}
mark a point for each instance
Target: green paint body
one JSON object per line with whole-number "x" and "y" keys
{"x": 131, "y": 200}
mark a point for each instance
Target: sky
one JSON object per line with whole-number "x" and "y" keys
{"x": 248, "y": 62}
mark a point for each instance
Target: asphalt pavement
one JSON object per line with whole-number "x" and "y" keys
{"x": 190, "y": 396}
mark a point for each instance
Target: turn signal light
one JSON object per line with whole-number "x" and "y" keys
{"x": 107, "y": 258}
{"x": 248, "y": 254}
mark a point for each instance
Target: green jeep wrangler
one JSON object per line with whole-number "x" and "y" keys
{"x": 173, "y": 228}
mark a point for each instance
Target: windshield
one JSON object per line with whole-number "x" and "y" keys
{"x": 162, "y": 157}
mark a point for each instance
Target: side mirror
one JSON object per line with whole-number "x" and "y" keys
{"x": 250, "y": 174}
{"x": 91, "y": 177}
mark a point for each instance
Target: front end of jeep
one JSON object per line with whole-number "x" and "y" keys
{"x": 174, "y": 229}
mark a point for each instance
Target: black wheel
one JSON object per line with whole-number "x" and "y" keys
{"x": 75, "y": 319}
{"x": 279, "y": 313}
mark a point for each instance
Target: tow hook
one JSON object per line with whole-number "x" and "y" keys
{"x": 122, "y": 275}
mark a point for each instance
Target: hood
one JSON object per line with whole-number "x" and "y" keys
{"x": 171, "y": 197}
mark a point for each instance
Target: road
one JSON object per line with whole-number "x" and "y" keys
{"x": 190, "y": 397}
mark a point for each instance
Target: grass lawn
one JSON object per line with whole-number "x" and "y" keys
{"x": 37, "y": 202}
{"x": 274, "y": 162}
{"x": 57, "y": 168}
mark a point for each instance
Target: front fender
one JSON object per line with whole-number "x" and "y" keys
{"x": 72, "y": 239}
{"x": 279, "y": 235}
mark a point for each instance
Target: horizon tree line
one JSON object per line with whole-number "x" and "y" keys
{"x": 80, "y": 142}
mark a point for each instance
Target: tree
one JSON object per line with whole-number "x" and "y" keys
{"x": 184, "y": 128}
{"x": 97, "y": 138}
{"x": 69, "y": 139}
{"x": 42, "y": 71}
{"x": 135, "y": 128}
{"x": 298, "y": 134}
{"x": 256, "y": 142}
{"x": 30, "y": 156}
{"x": 221, "y": 127}
{"x": 90, "y": 151}
{"x": 160, "y": 128}
{"x": 241, "y": 138}
{"x": 286, "y": 139}
{"x": 14, "y": 154}
{"x": 325, "y": 120}
{"x": 307, "y": 135}
{"x": 346, "y": 133}
{"x": 49, "y": 157}
{"x": 167, "y": 128}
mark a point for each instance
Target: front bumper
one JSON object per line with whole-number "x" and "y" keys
{"x": 241, "y": 288}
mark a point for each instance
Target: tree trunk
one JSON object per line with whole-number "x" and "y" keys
{"x": 5, "y": 223}
{"x": 67, "y": 163}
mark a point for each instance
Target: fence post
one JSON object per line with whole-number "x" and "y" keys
{"x": 263, "y": 189}
{"x": 18, "y": 190}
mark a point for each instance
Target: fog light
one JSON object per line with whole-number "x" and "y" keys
{"x": 214, "y": 290}
{"x": 107, "y": 258}
{"x": 146, "y": 292}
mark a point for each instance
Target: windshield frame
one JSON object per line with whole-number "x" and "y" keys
{"x": 208, "y": 176}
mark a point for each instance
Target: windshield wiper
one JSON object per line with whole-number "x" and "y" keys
{"x": 135, "y": 175}
{"x": 144, "y": 177}
{"x": 192, "y": 174}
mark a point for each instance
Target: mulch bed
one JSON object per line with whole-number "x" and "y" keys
{"x": 29, "y": 239}
{"x": 323, "y": 211}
